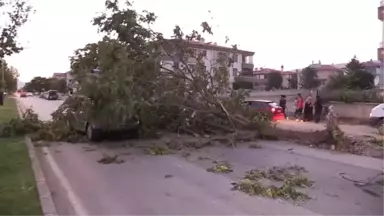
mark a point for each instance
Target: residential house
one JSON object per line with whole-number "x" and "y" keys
{"x": 259, "y": 77}
{"x": 242, "y": 60}
{"x": 59, "y": 75}
{"x": 324, "y": 71}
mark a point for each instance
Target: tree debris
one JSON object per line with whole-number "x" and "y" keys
{"x": 157, "y": 150}
{"x": 107, "y": 159}
{"x": 291, "y": 177}
{"x": 221, "y": 167}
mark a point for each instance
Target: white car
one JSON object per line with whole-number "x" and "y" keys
{"x": 29, "y": 94}
{"x": 376, "y": 116}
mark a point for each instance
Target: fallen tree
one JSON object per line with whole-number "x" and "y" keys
{"x": 135, "y": 73}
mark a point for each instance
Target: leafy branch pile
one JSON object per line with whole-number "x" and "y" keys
{"x": 39, "y": 130}
{"x": 290, "y": 177}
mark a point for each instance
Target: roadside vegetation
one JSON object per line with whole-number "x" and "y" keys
{"x": 18, "y": 192}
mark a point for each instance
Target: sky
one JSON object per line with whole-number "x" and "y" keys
{"x": 292, "y": 33}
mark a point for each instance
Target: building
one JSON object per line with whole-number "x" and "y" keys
{"x": 241, "y": 60}
{"x": 259, "y": 77}
{"x": 59, "y": 75}
{"x": 324, "y": 72}
{"x": 380, "y": 50}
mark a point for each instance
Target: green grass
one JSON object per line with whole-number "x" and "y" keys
{"x": 18, "y": 192}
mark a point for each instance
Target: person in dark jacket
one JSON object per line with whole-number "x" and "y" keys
{"x": 283, "y": 104}
{"x": 318, "y": 108}
{"x": 308, "y": 109}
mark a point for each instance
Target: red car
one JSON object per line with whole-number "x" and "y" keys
{"x": 267, "y": 106}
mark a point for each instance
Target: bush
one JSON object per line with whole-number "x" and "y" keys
{"x": 351, "y": 96}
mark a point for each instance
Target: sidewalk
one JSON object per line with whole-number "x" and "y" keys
{"x": 352, "y": 130}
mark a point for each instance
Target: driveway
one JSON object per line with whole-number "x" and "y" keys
{"x": 177, "y": 184}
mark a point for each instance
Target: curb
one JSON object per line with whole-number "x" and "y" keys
{"x": 47, "y": 205}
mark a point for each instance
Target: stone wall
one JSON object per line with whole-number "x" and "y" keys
{"x": 357, "y": 111}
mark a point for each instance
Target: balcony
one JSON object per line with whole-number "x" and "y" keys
{"x": 247, "y": 66}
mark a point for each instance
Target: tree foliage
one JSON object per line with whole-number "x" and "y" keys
{"x": 356, "y": 77}
{"x": 14, "y": 14}
{"x": 275, "y": 80}
{"x": 144, "y": 76}
{"x": 10, "y": 77}
{"x": 41, "y": 84}
{"x": 308, "y": 79}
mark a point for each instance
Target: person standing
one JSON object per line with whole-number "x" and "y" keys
{"x": 299, "y": 107}
{"x": 318, "y": 108}
{"x": 308, "y": 108}
{"x": 283, "y": 104}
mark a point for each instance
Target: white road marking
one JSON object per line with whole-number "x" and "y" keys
{"x": 72, "y": 197}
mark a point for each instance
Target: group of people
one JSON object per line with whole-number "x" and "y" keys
{"x": 309, "y": 109}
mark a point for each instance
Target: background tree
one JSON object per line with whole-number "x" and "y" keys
{"x": 14, "y": 14}
{"x": 292, "y": 81}
{"x": 275, "y": 80}
{"x": 37, "y": 84}
{"x": 358, "y": 76}
{"x": 59, "y": 85}
{"x": 309, "y": 79}
{"x": 10, "y": 77}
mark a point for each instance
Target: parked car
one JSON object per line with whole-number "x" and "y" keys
{"x": 267, "y": 106}
{"x": 376, "y": 116}
{"x": 51, "y": 95}
{"x": 79, "y": 120}
{"x": 29, "y": 94}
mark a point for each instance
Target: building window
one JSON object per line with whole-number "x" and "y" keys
{"x": 234, "y": 72}
{"x": 260, "y": 76}
{"x": 204, "y": 53}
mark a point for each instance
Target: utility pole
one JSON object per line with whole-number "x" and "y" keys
{"x": 2, "y": 75}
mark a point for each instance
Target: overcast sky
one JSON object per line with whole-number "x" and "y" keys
{"x": 280, "y": 32}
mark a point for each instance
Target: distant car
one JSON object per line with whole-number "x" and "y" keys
{"x": 267, "y": 107}
{"x": 23, "y": 94}
{"x": 51, "y": 95}
{"x": 29, "y": 94}
{"x": 92, "y": 126}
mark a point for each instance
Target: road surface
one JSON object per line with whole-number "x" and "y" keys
{"x": 140, "y": 186}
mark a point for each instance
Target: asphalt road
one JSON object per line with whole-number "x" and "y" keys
{"x": 81, "y": 185}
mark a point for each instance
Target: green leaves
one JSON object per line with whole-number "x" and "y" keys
{"x": 309, "y": 78}
{"x": 134, "y": 81}
{"x": 14, "y": 14}
{"x": 275, "y": 80}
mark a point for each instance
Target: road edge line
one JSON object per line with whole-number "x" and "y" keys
{"x": 48, "y": 207}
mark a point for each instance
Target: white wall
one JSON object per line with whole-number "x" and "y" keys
{"x": 210, "y": 62}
